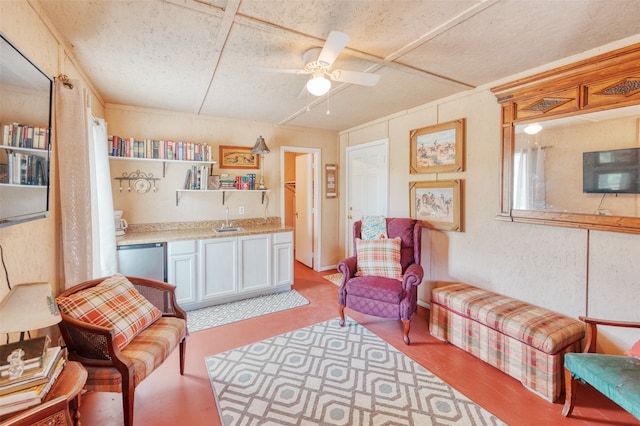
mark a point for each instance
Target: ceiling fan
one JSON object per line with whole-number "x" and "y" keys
{"x": 320, "y": 67}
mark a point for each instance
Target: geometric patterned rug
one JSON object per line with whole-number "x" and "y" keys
{"x": 227, "y": 313}
{"x": 325, "y": 374}
{"x": 334, "y": 278}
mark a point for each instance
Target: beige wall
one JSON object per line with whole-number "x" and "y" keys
{"x": 572, "y": 271}
{"x": 160, "y": 206}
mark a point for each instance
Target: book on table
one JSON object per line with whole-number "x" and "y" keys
{"x": 33, "y": 376}
{"x": 34, "y": 395}
{"x": 34, "y": 352}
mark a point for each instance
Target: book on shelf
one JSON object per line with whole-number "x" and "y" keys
{"x": 33, "y": 376}
{"x": 31, "y": 396}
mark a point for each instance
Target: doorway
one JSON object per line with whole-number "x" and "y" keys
{"x": 367, "y": 184}
{"x": 300, "y": 195}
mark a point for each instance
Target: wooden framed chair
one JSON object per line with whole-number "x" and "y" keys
{"x": 380, "y": 295}
{"x": 114, "y": 366}
{"x": 615, "y": 376}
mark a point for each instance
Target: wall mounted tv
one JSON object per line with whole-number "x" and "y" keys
{"x": 615, "y": 171}
{"x": 25, "y": 131}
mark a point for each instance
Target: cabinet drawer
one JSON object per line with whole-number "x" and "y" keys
{"x": 282, "y": 237}
{"x": 181, "y": 247}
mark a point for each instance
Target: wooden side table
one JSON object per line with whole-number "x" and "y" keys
{"x": 68, "y": 385}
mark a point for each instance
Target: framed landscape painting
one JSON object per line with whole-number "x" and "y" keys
{"x": 438, "y": 148}
{"x": 238, "y": 157}
{"x": 437, "y": 204}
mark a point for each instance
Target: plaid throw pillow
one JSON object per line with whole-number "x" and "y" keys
{"x": 373, "y": 227}
{"x": 114, "y": 303}
{"x": 379, "y": 258}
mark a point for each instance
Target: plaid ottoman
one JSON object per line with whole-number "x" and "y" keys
{"x": 525, "y": 341}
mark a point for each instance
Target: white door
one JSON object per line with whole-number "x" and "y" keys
{"x": 304, "y": 209}
{"x": 367, "y": 184}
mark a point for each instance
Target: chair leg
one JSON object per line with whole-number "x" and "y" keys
{"x": 341, "y": 312}
{"x": 407, "y": 327}
{"x": 128, "y": 391}
{"x": 183, "y": 349}
{"x": 570, "y": 388}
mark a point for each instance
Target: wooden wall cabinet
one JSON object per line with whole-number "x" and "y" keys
{"x": 607, "y": 82}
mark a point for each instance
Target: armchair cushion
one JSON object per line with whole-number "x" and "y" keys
{"x": 115, "y": 303}
{"x": 379, "y": 258}
{"x": 374, "y": 227}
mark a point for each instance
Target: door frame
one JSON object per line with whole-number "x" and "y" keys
{"x": 317, "y": 222}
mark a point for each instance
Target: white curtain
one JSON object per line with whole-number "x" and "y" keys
{"x": 88, "y": 231}
{"x": 530, "y": 189}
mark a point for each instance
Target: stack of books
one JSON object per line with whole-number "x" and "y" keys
{"x": 41, "y": 369}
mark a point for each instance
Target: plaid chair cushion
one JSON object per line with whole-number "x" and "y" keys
{"x": 379, "y": 258}
{"x": 115, "y": 303}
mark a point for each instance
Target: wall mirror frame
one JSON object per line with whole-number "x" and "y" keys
{"x": 604, "y": 82}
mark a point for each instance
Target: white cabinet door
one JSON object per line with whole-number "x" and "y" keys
{"x": 282, "y": 258}
{"x": 181, "y": 269}
{"x": 218, "y": 267}
{"x": 254, "y": 262}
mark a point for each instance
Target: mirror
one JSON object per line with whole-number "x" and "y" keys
{"x": 581, "y": 168}
{"x": 585, "y": 164}
{"x": 25, "y": 123}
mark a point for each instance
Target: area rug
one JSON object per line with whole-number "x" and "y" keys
{"x": 227, "y": 313}
{"x": 325, "y": 374}
{"x": 334, "y": 278}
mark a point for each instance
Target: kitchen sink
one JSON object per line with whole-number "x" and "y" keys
{"x": 234, "y": 229}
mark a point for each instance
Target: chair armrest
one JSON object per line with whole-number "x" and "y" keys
{"x": 91, "y": 344}
{"x": 160, "y": 294}
{"x": 412, "y": 276}
{"x": 348, "y": 268}
{"x": 592, "y": 330}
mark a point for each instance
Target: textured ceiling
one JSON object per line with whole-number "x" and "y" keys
{"x": 195, "y": 56}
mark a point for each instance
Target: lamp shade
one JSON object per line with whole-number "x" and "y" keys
{"x": 260, "y": 147}
{"x": 28, "y": 306}
{"x": 318, "y": 85}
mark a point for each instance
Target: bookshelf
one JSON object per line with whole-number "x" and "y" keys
{"x": 223, "y": 191}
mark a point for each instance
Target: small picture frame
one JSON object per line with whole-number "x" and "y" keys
{"x": 437, "y": 204}
{"x": 238, "y": 157}
{"x": 438, "y": 148}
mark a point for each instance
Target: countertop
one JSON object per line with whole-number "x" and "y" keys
{"x": 177, "y": 231}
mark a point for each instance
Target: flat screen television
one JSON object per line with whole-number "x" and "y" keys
{"x": 25, "y": 131}
{"x": 614, "y": 171}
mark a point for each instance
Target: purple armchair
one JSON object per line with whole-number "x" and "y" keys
{"x": 379, "y": 296}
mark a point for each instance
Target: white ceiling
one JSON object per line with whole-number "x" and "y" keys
{"x": 195, "y": 56}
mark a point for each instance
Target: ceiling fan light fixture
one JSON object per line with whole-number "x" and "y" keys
{"x": 318, "y": 85}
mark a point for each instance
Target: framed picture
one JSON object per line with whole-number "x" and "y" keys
{"x": 238, "y": 157}
{"x": 438, "y": 148}
{"x": 437, "y": 204}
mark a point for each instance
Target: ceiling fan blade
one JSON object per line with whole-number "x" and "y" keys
{"x": 335, "y": 43}
{"x": 355, "y": 77}
{"x": 280, "y": 70}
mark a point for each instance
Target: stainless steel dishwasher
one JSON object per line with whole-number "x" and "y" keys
{"x": 143, "y": 260}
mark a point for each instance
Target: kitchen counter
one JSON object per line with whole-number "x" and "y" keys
{"x": 177, "y": 231}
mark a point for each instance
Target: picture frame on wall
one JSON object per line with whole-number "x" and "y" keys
{"x": 437, "y": 204}
{"x": 438, "y": 148}
{"x": 238, "y": 157}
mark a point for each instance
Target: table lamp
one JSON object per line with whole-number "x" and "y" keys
{"x": 28, "y": 306}
{"x": 261, "y": 148}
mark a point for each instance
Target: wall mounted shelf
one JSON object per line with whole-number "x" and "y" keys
{"x": 164, "y": 161}
{"x": 223, "y": 191}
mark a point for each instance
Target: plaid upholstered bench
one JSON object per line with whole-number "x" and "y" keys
{"x": 525, "y": 341}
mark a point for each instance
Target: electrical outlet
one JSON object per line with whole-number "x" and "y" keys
{"x": 241, "y": 210}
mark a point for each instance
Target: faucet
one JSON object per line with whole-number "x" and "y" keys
{"x": 226, "y": 216}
